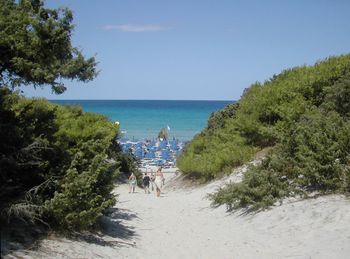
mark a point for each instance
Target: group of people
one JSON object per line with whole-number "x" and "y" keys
{"x": 155, "y": 180}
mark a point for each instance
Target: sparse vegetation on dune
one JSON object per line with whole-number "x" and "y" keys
{"x": 304, "y": 114}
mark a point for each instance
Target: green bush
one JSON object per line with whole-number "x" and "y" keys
{"x": 49, "y": 154}
{"x": 260, "y": 188}
{"x": 217, "y": 119}
{"x": 263, "y": 114}
{"x": 206, "y": 156}
{"x": 83, "y": 196}
{"x": 314, "y": 155}
{"x": 58, "y": 160}
{"x": 304, "y": 114}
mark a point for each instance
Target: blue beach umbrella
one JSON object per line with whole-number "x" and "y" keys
{"x": 159, "y": 162}
{"x": 150, "y": 155}
{"x": 139, "y": 153}
{"x": 165, "y": 155}
{"x": 163, "y": 144}
{"x": 128, "y": 145}
{"x": 174, "y": 145}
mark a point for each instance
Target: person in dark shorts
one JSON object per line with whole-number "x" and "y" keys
{"x": 146, "y": 181}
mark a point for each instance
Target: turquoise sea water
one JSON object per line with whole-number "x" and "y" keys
{"x": 144, "y": 119}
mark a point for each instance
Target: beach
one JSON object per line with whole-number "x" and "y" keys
{"x": 234, "y": 116}
{"x": 182, "y": 224}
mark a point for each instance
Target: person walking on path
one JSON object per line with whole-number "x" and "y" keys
{"x": 146, "y": 181}
{"x": 132, "y": 182}
{"x": 159, "y": 181}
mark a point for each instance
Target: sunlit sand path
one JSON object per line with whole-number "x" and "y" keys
{"x": 181, "y": 224}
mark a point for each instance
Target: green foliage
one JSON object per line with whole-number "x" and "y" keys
{"x": 337, "y": 97}
{"x": 304, "y": 113}
{"x": 27, "y": 128}
{"x": 318, "y": 151}
{"x": 127, "y": 161}
{"x": 217, "y": 119}
{"x": 206, "y": 156}
{"x": 57, "y": 164}
{"x": 314, "y": 156}
{"x": 260, "y": 188}
{"x": 83, "y": 196}
{"x": 261, "y": 116}
{"x": 36, "y": 46}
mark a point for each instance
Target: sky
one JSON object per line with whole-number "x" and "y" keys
{"x": 197, "y": 49}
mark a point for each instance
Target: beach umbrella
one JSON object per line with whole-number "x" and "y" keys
{"x": 163, "y": 144}
{"x": 150, "y": 155}
{"x": 159, "y": 162}
{"x": 165, "y": 155}
{"x": 128, "y": 145}
{"x": 139, "y": 153}
{"x": 174, "y": 145}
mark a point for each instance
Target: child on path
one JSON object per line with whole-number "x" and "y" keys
{"x": 132, "y": 182}
{"x": 159, "y": 181}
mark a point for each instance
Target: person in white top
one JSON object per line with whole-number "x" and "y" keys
{"x": 159, "y": 181}
{"x": 132, "y": 182}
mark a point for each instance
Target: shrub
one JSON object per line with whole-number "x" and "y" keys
{"x": 314, "y": 156}
{"x": 304, "y": 113}
{"x": 218, "y": 119}
{"x": 207, "y": 156}
{"x": 259, "y": 189}
{"x": 263, "y": 114}
{"x": 83, "y": 196}
{"x": 57, "y": 164}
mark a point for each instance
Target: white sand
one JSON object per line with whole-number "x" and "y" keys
{"x": 181, "y": 224}
{"x": 154, "y": 169}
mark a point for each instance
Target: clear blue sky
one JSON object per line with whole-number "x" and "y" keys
{"x": 198, "y": 50}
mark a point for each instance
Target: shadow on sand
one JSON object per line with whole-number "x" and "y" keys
{"x": 18, "y": 235}
{"x": 112, "y": 230}
{"x": 112, "y": 226}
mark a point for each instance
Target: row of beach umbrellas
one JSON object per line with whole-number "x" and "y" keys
{"x": 165, "y": 147}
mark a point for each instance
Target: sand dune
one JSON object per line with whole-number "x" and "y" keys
{"x": 181, "y": 224}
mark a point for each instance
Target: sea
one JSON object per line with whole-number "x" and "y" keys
{"x": 143, "y": 119}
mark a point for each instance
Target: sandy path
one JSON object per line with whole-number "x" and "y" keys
{"x": 181, "y": 224}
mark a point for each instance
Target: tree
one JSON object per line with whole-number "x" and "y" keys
{"x": 36, "y": 49}
{"x": 57, "y": 164}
